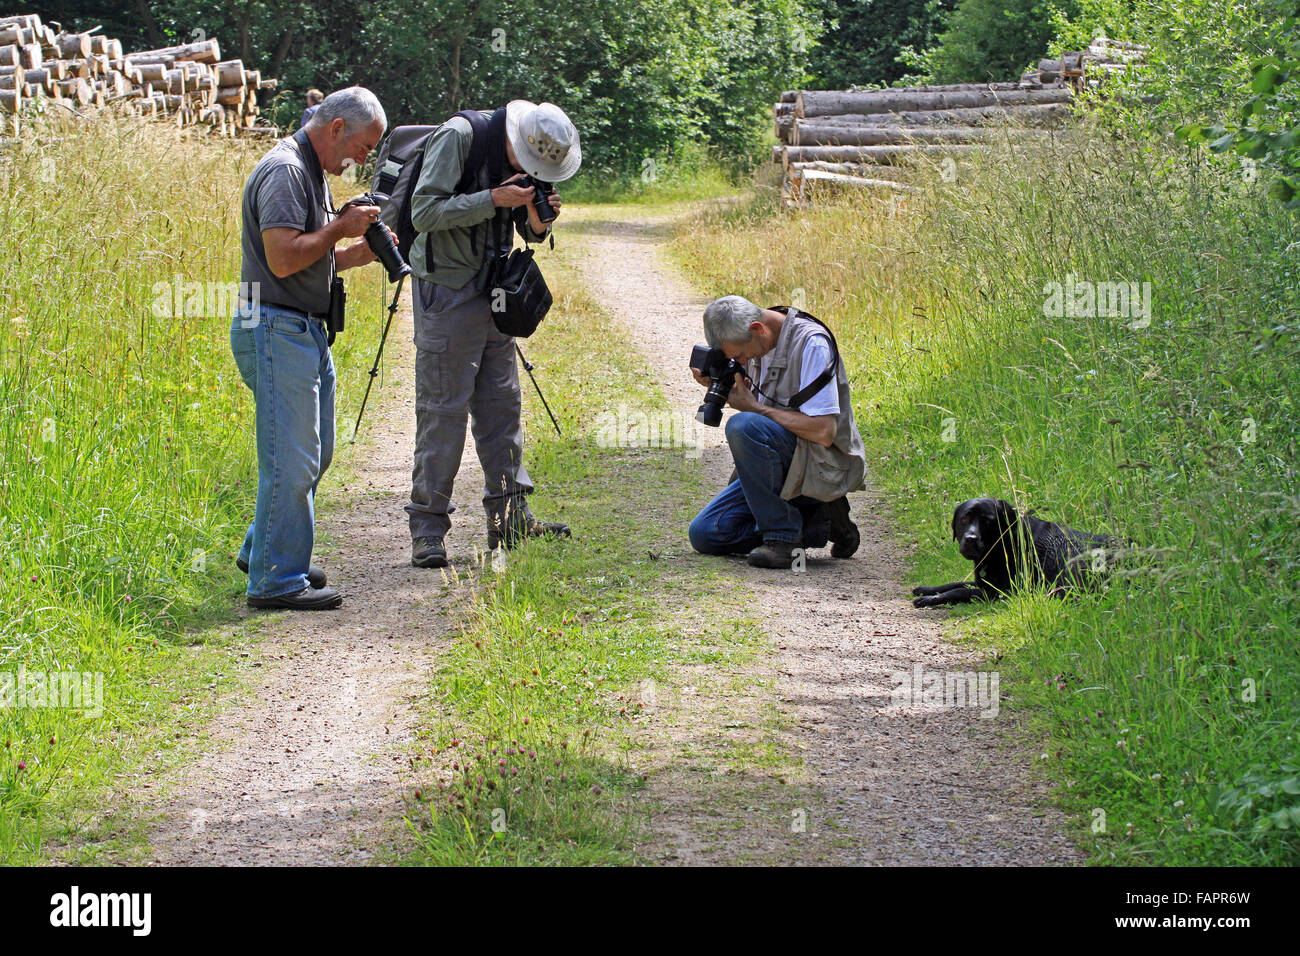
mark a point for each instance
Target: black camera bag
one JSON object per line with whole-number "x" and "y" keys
{"x": 518, "y": 294}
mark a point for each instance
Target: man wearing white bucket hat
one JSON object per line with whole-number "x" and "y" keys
{"x": 471, "y": 188}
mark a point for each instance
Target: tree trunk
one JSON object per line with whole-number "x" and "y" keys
{"x": 230, "y": 73}
{"x": 282, "y": 49}
{"x": 829, "y": 103}
{"x": 150, "y": 24}
{"x": 1047, "y": 114}
{"x": 455, "y": 73}
{"x": 808, "y": 133}
{"x": 865, "y": 154}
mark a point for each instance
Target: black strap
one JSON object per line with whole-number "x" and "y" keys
{"x": 316, "y": 175}
{"x": 827, "y": 374}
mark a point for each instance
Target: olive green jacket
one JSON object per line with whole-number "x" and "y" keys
{"x": 456, "y": 228}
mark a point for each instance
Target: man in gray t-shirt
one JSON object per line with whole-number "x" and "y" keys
{"x": 287, "y": 239}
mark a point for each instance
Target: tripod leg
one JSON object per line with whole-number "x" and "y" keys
{"x": 529, "y": 369}
{"x": 374, "y": 370}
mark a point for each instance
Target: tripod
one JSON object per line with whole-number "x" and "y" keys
{"x": 374, "y": 370}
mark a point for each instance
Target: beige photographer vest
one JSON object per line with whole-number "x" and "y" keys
{"x": 816, "y": 471}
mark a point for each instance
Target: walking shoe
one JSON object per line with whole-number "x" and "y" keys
{"x": 844, "y": 536}
{"x": 428, "y": 552}
{"x": 308, "y": 599}
{"x": 526, "y": 527}
{"x": 315, "y": 575}
{"x": 773, "y": 554}
{"x": 816, "y": 526}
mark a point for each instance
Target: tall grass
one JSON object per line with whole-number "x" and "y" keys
{"x": 1167, "y": 703}
{"x": 127, "y": 467}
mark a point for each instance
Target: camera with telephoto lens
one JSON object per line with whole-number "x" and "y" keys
{"x": 722, "y": 373}
{"x": 380, "y": 240}
{"x": 541, "y": 189}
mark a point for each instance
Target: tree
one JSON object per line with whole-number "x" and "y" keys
{"x": 864, "y": 38}
{"x": 991, "y": 40}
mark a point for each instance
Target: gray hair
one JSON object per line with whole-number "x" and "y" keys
{"x": 355, "y": 105}
{"x": 728, "y": 320}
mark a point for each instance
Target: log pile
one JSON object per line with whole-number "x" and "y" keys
{"x": 188, "y": 84}
{"x": 870, "y": 139}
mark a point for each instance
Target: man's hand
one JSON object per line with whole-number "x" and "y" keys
{"x": 741, "y": 398}
{"x": 510, "y": 195}
{"x": 355, "y": 220}
{"x": 359, "y": 253}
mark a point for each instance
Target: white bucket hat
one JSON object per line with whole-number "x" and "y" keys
{"x": 544, "y": 140}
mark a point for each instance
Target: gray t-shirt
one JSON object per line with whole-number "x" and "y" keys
{"x": 279, "y": 193}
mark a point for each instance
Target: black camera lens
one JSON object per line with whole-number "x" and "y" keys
{"x": 381, "y": 244}
{"x": 722, "y": 373}
{"x": 380, "y": 240}
{"x": 541, "y": 189}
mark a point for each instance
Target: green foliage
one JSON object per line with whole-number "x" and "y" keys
{"x": 1269, "y": 129}
{"x": 993, "y": 40}
{"x": 864, "y": 38}
{"x": 1263, "y": 807}
{"x": 1197, "y": 65}
{"x": 640, "y": 79}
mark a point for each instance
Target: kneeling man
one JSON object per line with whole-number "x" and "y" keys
{"x": 794, "y": 441}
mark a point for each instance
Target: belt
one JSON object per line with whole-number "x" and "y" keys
{"x": 318, "y": 316}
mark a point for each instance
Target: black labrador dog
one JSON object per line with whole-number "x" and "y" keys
{"x": 1004, "y": 545}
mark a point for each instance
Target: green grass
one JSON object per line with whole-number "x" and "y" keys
{"x": 1167, "y": 701}
{"x": 689, "y": 174}
{"x": 561, "y": 651}
{"x": 127, "y": 467}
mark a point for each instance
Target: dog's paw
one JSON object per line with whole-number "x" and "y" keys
{"x": 924, "y": 602}
{"x": 922, "y": 590}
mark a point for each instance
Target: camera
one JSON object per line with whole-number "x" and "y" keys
{"x": 380, "y": 240}
{"x": 722, "y": 371}
{"x": 541, "y": 189}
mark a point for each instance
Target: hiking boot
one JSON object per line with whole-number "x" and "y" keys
{"x": 315, "y": 575}
{"x": 428, "y": 552}
{"x": 526, "y": 527}
{"x": 816, "y": 526}
{"x": 773, "y": 554}
{"x": 308, "y": 599}
{"x": 843, "y": 533}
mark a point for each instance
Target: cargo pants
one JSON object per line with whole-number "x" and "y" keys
{"x": 463, "y": 367}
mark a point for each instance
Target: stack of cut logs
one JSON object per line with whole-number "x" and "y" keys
{"x": 188, "y": 84}
{"x": 873, "y": 139}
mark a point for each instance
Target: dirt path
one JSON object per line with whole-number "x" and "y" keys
{"x": 883, "y": 782}
{"x": 307, "y": 772}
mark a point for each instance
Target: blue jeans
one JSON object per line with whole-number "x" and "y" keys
{"x": 750, "y": 510}
{"x": 283, "y": 357}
